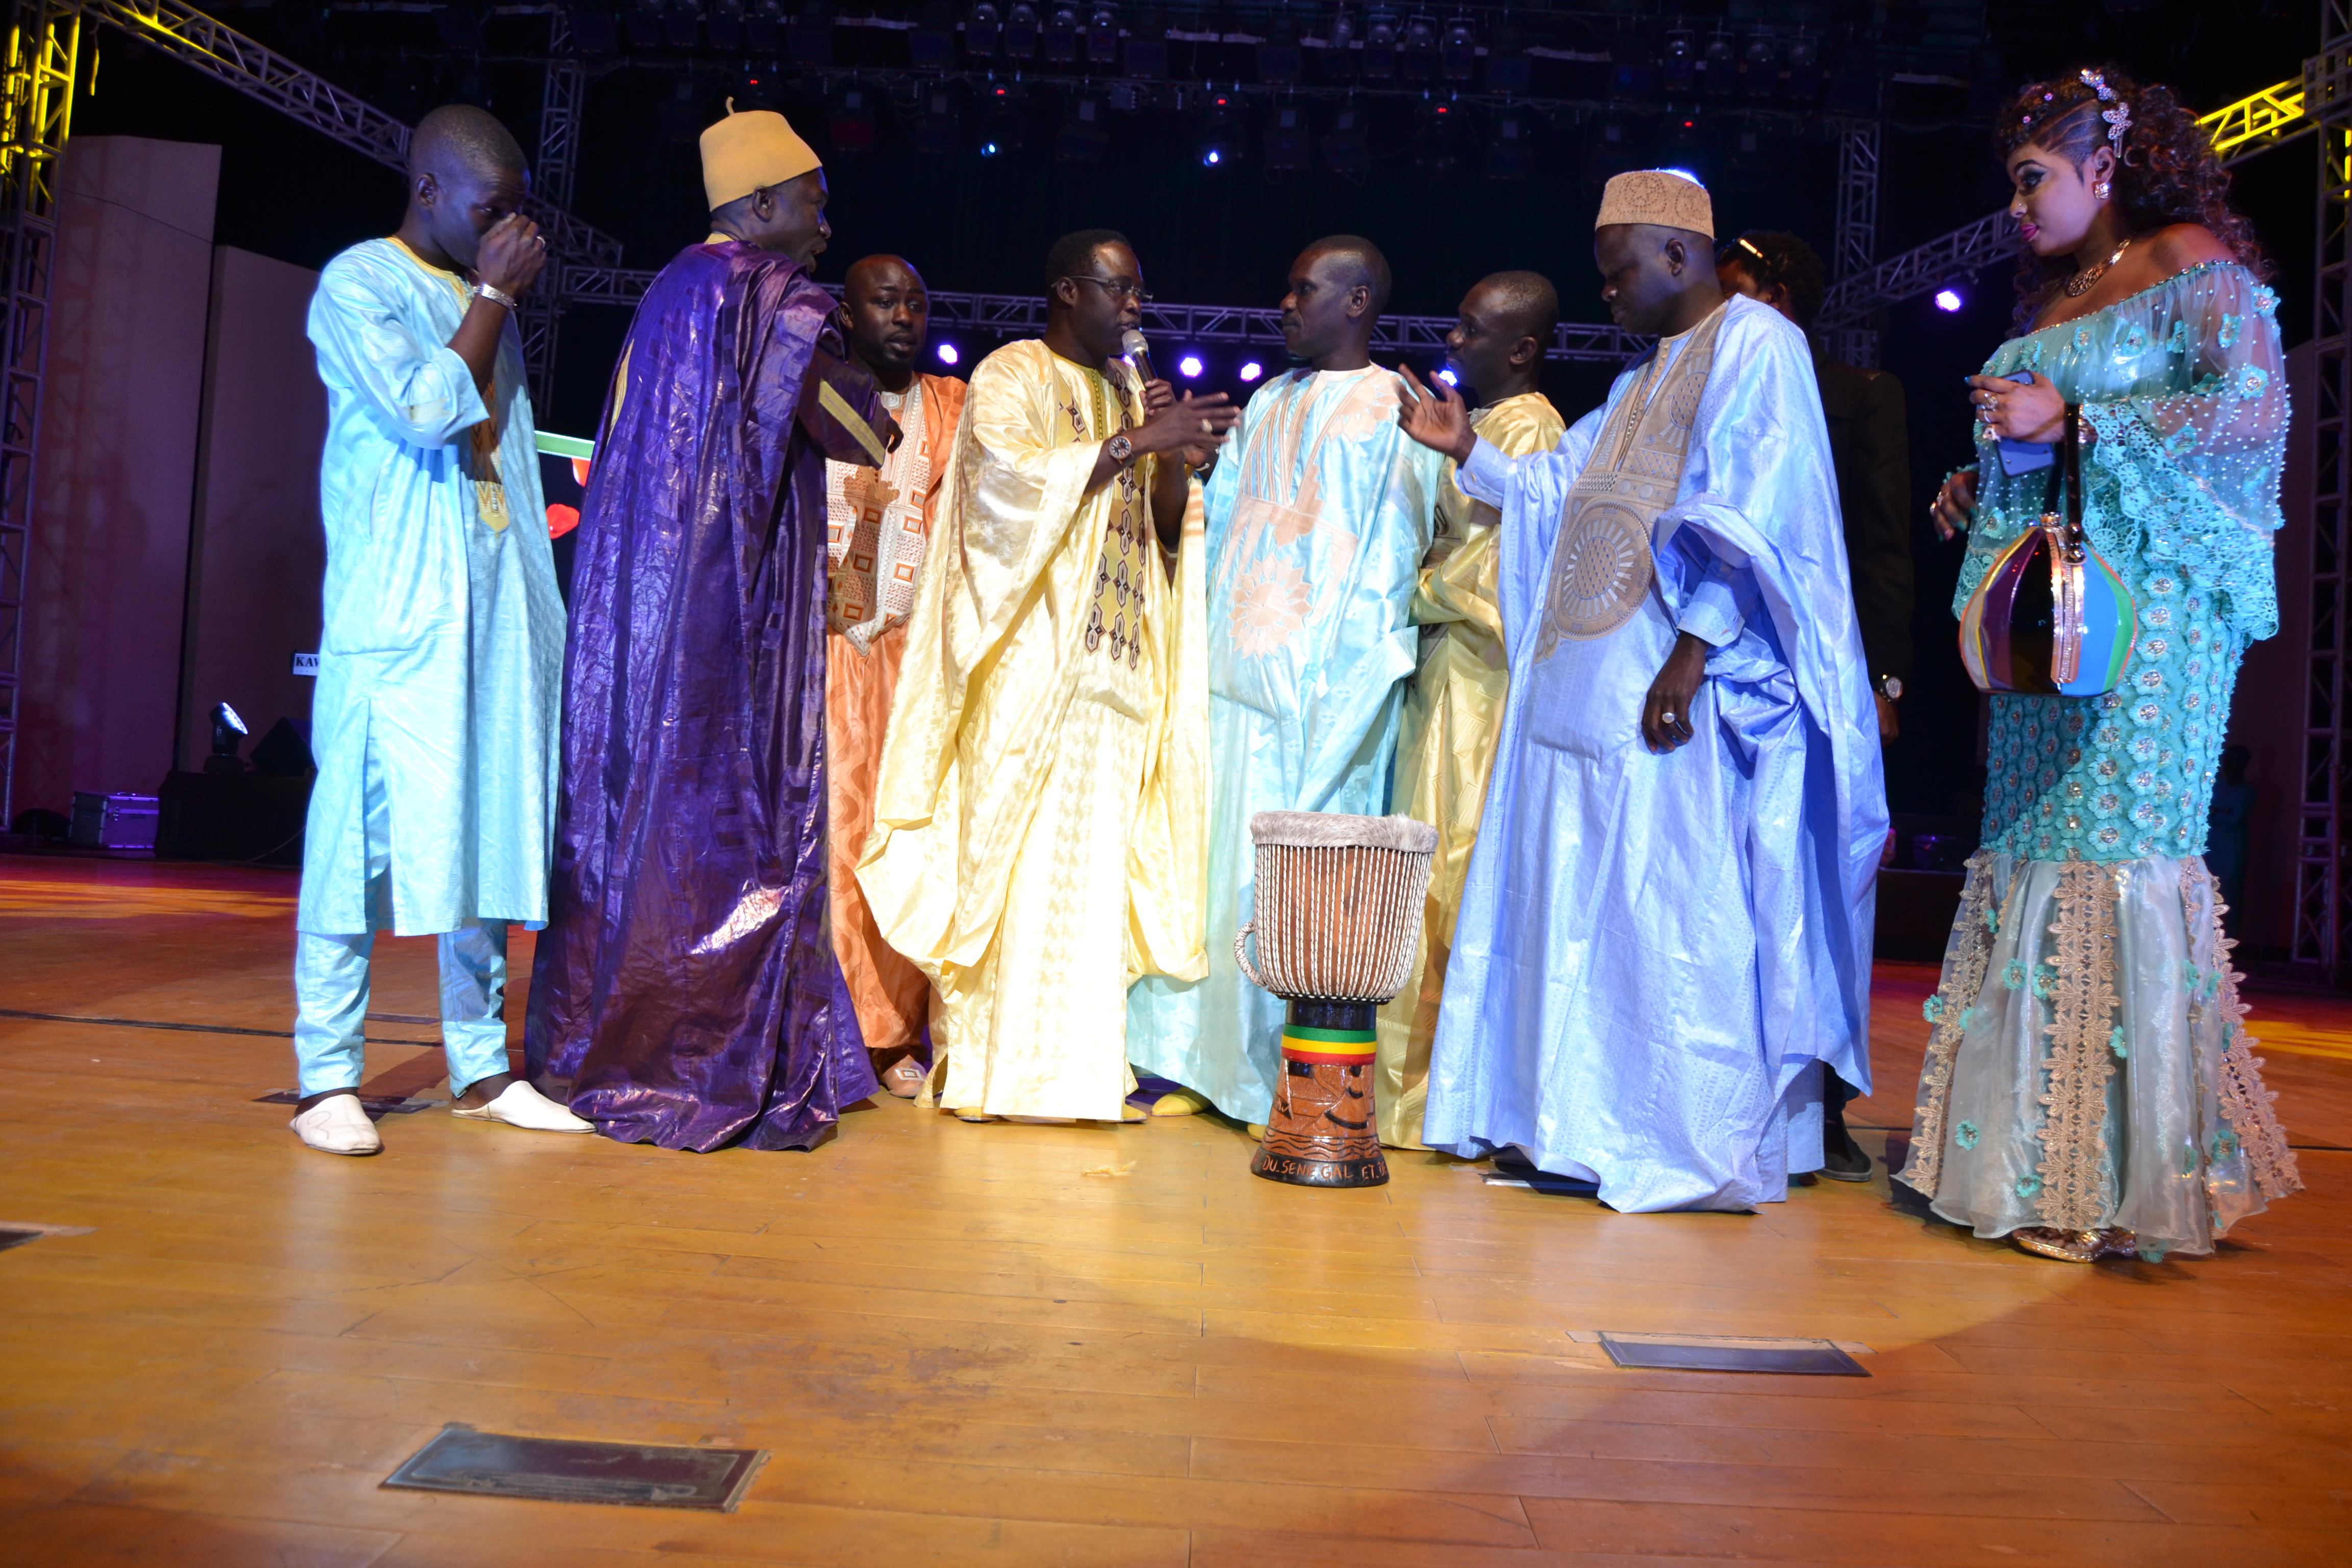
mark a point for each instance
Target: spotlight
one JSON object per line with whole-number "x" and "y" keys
{"x": 1679, "y": 71}
{"x": 1509, "y": 156}
{"x": 725, "y": 21}
{"x": 1251, "y": 370}
{"x": 1419, "y": 51}
{"x": 1458, "y": 55}
{"x": 1763, "y": 64}
{"x": 1445, "y": 374}
{"x": 1021, "y": 31}
{"x": 948, "y": 355}
{"x": 228, "y": 730}
{"x": 1287, "y": 145}
{"x": 983, "y": 31}
{"x": 1719, "y": 64}
{"x": 1102, "y": 35}
{"x": 1062, "y": 29}
{"x": 1082, "y": 139}
{"x": 852, "y": 124}
{"x": 1948, "y": 299}
{"x": 811, "y": 34}
{"x": 941, "y": 129}
{"x": 1005, "y": 126}
{"x": 1347, "y": 149}
{"x": 1221, "y": 139}
{"x": 1190, "y": 367}
{"x": 1380, "y": 46}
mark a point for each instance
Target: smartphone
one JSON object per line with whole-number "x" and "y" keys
{"x": 2023, "y": 456}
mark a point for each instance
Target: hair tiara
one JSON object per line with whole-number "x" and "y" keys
{"x": 2118, "y": 118}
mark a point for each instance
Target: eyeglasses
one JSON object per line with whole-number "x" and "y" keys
{"x": 1117, "y": 290}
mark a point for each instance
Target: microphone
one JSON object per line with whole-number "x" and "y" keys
{"x": 1138, "y": 352}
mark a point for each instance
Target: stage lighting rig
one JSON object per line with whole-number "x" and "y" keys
{"x": 1458, "y": 55}
{"x": 1380, "y": 63}
{"x": 764, "y": 25}
{"x": 1417, "y": 51}
{"x": 983, "y": 31}
{"x": 851, "y": 123}
{"x": 228, "y": 731}
{"x": 725, "y": 22}
{"x": 1286, "y": 144}
{"x": 1679, "y": 72}
{"x": 813, "y": 34}
{"x": 1438, "y": 140}
{"x": 1762, "y": 61}
{"x": 1223, "y": 141}
{"x": 1021, "y": 31}
{"x": 682, "y": 24}
{"x": 931, "y": 42}
{"x": 1510, "y": 154}
{"x": 1347, "y": 149}
{"x": 644, "y": 23}
{"x": 1061, "y": 34}
{"x": 1004, "y": 127}
{"x": 1804, "y": 83}
{"x": 938, "y": 132}
{"x": 1102, "y": 37}
{"x": 1718, "y": 65}
{"x": 1083, "y": 139}
{"x": 1507, "y": 65}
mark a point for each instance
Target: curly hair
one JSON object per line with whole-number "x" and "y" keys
{"x": 2167, "y": 172}
{"x": 1771, "y": 256}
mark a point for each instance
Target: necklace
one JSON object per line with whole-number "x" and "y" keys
{"x": 2080, "y": 284}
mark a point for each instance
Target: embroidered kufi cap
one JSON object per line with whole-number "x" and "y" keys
{"x": 750, "y": 151}
{"x": 1667, "y": 197}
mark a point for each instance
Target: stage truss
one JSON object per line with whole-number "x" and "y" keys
{"x": 2323, "y": 894}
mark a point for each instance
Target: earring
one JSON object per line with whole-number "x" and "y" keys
{"x": 2100, "y": 190}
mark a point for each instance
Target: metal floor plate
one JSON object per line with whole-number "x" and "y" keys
{"x": 1669, "y": 1353}
{"x": 556, "y": 1469}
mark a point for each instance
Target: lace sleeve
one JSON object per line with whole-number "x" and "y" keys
{"x": 2197, "y": 471}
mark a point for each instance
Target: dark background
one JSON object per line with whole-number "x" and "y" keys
{"x": 1224, "y": 234}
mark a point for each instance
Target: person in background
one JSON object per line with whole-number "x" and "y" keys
{"x": 1454, "y": 707}
{"x": 2088, "y": 1089}
{"x": 2227, "y": 827}
{"x": 877, "y": 530}
{"x": 434, "y": 719}
{"x": 685, "y": 986}
{"x": 1870, "y": 443}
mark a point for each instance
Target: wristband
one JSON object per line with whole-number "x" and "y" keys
{"x": 495, "y": 296}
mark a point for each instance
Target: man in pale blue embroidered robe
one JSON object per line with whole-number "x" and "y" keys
{"x": 1319, "y": 517}
{"x": 1667, "y": 924}
{"x": 434, "y": 723}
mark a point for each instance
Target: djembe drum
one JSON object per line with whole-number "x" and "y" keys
{"x": 1337, "y": 917}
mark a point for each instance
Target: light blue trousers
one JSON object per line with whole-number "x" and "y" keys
{"x": 330, "y": 984}
{"x": 331, "y": 995}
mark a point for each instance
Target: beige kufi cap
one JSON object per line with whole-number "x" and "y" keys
{"x": 1667, "y": 197}
{"x": 750, "y": 151}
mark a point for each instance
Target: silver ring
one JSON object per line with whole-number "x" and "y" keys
{"x": 542, "y": 240}
{"x": 1665, "y": 718}
{"x": 1207, "y": 428}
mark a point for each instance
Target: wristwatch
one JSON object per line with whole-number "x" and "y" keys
{"x": 495, "y": 296}
{"x": 1889, "y": 687}
{"x": 1121, "y": 449}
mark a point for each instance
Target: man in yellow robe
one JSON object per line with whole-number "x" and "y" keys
{"x": 1042, "y": 815}
{"x": 1453, "y": 708}
{"x": 878, "y": 532}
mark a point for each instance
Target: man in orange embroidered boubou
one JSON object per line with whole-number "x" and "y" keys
{"x": 878, "y": 527}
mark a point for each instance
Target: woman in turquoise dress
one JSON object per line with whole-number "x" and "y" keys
{"x": 2089, "y": 1088}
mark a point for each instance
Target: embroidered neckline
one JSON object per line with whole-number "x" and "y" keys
{"x": 2161, "y": 283}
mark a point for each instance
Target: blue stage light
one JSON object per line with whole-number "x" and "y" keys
{"x": 1189, "y": 366}
{"x": 1252, "y": 371}
{"x": 948, "y": 354}
{"x": 1948, "y": 299}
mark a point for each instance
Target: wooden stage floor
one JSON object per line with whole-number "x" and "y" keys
{"x": 1037, "y": 1344}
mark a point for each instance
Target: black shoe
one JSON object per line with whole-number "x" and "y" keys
{"x": 1842, "y": 1158}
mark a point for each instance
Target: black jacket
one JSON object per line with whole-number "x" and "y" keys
{"x": 1870, "y": 443}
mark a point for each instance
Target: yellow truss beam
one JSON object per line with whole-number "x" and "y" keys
{"x": 2258, "y": 117}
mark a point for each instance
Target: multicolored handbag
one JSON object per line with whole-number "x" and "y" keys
{"x": 2051, "y": 618}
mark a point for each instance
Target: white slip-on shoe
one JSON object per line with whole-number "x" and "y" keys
{"x": 337, "y": 1125}
{"x": 519, "y": 1105}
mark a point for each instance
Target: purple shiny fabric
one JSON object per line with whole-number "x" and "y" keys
{"x": 685, "y": 983}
